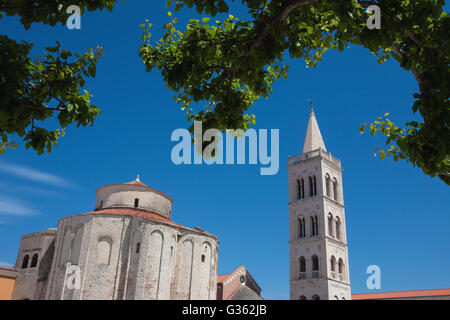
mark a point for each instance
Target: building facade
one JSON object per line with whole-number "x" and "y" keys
{"x": 318, "y": 255}
{"x": 238, "y": 285}
{"x": 128, "y": 248}
{"x": 7, "y": 280}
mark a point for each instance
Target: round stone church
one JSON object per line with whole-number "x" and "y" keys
{"x": 127, "y": 248}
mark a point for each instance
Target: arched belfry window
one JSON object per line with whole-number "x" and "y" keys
{"x": 341, "y": 269}
{"x": 330, "y": 224}
{"x": 341, "y": 266}
{"x": 335, "y": 189}
{"x": 301, "y": 227}
{"x": 316, "y": 297}
{"x": 34, "y": 260}
{"x": 302, "y": 298}
{"x": 314, "y": 226}
{"x": 315, "y": 266}
{"x": 312, "y": 185}
{"x": 333, "y": 267}
{"x": 25, "y": 261}
{"x": 338, "y": 228}
{"x": 302, "y": 268}
{"x": 136, "y": 203}
{"x": 333, "y": 263}
{"x": 327, "y": 184}
{"x": 300, "y": 188}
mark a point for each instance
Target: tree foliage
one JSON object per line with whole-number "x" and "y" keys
{"x": 230, "y": 63}
{"x": 35, "y": 89}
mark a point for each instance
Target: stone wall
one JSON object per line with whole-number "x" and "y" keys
{"x": 130, "y": 257}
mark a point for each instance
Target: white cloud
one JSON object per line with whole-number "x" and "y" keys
{"x": 35, "y": 175}
{"x": 15, "y": 207}
{"x": 6, "y": 264}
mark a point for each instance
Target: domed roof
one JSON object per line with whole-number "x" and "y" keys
{"x": 133, "y": 195}
{"x": 137, "y": 183}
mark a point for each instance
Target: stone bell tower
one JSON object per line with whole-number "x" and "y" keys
{"x": 318, "y": 255}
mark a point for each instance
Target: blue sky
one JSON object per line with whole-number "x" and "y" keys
{"x": 397, "y": 217}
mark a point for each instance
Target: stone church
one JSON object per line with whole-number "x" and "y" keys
{"x": 318, "y": 256}
{"x": 127, "y": 248}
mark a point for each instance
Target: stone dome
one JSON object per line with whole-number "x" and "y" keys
{"x": 133, "y": 195}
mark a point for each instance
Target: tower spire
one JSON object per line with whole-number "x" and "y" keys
{"x": 313, "y": 138}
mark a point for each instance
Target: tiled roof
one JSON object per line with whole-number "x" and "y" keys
{"x": 222, "y": 278}
{"x": 137, "y": 183}
{"x": 143, "y": 214}
{"x": 9, "y": 269}
{"x": 401, "y": 294}
{"x": 8, "y": 273}
{"x": 140, "y": 184}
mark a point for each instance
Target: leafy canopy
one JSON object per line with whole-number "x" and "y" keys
{"x": 230, "y": 63}
{"x": 33, "y": 90}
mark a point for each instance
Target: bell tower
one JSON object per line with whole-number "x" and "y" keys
{"x": 318, "y": 255}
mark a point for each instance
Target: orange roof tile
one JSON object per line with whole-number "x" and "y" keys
{"x": 140, "y": 184}
{"x": 9, "y": 269}
{"x": 140, "y": 213}
{"x": 137, "y": 183}
{"x": 401, "y": 294}
{"x": 222, "y": 278}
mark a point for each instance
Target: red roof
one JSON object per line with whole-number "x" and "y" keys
{"x": 140, "y": 184}
{"x": 137, "y": 183}
{"x": 401, "y": 294}
{"x": 9, "y": 269}
{"x": 140, "y": 213}
{"x": 222, "y": 278}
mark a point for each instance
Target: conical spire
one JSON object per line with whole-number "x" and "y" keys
{"x": 313, "y": 138}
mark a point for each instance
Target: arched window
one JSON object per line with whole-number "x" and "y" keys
{"x": 330, "y": 224}
{"x": 327, "y": 185}
{"x": 302, "y": 268}
{"x": 312, "y": 186}
{"x": 301, "y": 188}
{"x": 316, "y": 297}
{"x": 314, "y": 226}
{"x": 335, "y": 189}
{"x": 333, "y": 267}
{"x": 25, "y": 261}
{"x": 338, "y": 228}
{"x": 341, "y": 269}
{"x": 301, "y": 227}
{"x": 104, "y": 250}
{"x": 34, "y": 260}
{"x": 302, "y": 298}
{"x": 333, "y": 263}
{"x": 315, "y": 266}
{"x": 136, "y": 203}
{"x": 336, "y": 298}
{"x": 302, "y": 264}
